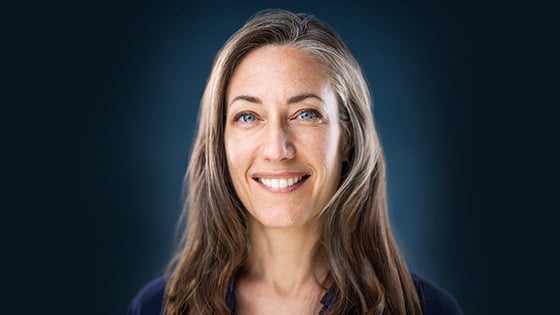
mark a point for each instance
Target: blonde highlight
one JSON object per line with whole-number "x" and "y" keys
{"x": 365, "y": 264}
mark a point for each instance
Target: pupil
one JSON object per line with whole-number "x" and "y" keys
{"x": 306, "y": 115}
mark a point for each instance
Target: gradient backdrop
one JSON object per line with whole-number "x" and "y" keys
{"x": 108, "y": 93}
{"x": 151, "y": 62}
{"x": 100, "y": 100}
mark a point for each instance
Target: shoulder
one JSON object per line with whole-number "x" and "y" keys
{"x": 435, "y": 300}
{"x": 149, "y": 300}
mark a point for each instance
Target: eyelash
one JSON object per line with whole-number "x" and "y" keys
{"x": 239, "y": 116}
{"x": 315, "y": 113}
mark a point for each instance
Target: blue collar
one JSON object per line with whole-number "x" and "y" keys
{"x": 327, "y": 300}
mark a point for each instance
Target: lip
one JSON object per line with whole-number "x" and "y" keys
{"x": 257, "y": 177}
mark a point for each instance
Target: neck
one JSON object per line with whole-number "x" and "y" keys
{"x": 284, "y": 259}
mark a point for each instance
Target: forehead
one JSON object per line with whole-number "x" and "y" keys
{"x": 275, "y": 67}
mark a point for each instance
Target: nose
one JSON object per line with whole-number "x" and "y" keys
{"x": 277, "y": 144}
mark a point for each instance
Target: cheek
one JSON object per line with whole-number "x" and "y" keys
{"x": 325, "y": 148}
{"x": 231, "y": 155}
{"x": 237, "y": 152}
{"x": 233, "y": 158}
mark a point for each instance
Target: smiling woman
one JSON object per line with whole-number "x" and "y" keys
{"x": 283, "y": 141}
{"x": 286, "y": 208}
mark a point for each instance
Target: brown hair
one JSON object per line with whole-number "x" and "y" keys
{"x": 362, "y": 256}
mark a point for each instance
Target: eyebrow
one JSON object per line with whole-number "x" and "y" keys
{"x": 299, "y": 98}
{"x": 291, "y": 100}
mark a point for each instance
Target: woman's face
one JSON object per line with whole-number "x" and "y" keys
{"x": 282, "y": 136}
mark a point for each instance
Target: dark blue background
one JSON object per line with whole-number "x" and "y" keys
{"x": 409, "y": 53}
{"x": 102, "y": 102}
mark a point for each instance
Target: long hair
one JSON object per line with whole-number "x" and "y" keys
{"x": 363, "y": 259}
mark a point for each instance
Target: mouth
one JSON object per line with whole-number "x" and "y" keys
{"x": 283, "y": 183}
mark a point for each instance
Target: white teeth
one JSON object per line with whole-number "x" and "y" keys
{"x": 280, "y": 183}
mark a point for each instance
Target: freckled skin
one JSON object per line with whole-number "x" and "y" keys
{"x": 268, "y": 134}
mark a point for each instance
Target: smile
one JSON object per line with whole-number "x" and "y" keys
{"x": 280, "y": 182}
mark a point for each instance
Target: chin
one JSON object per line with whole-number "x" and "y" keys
{"x": 280, "y": 218}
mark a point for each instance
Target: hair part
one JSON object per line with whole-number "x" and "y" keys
{"x": 362, "y": 256}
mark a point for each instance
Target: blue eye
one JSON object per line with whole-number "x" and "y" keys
{"x": 246, "y": 117}
{"x": 307, "y": 114}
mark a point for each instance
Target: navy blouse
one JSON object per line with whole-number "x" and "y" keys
{"x": 433, "y": 300}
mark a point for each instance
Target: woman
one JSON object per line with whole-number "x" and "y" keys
{"x": 286, "y": 208}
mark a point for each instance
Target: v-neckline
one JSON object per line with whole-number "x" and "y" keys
{"x": 328, "y": 299}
